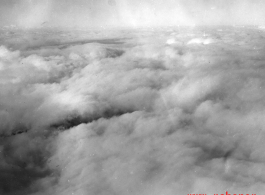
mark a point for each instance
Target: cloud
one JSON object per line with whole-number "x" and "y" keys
{"x": 144, "y": 113}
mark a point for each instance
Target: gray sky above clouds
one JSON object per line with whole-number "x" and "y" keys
{"x": 125, "y": 13}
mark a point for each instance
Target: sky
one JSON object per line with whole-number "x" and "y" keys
{"x": 125, "y": 13}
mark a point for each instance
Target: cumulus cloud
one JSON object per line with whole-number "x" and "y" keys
{"x": 146, "y": 113}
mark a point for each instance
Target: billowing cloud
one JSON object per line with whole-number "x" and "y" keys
{"x": 166, "y": 111}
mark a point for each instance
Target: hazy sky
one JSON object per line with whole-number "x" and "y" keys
{"x": 88, "y": 13}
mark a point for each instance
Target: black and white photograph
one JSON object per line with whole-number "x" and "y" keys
{"x": 132, "y": 97}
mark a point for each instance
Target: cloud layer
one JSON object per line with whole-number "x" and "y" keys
{"x": 168, "y": 111}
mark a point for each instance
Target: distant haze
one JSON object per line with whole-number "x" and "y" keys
{"x": 125, "y": 13}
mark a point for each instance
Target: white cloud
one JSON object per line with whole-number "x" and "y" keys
{"x": 143, "y": 115}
